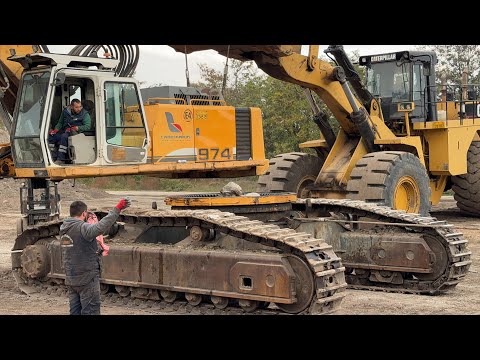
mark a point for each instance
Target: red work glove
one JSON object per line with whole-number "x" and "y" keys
{"x": 53, "y": 132}
{"x": 67, "y": 130}
{"x": 74, "y": 128}
{"x": 123, "y": 204}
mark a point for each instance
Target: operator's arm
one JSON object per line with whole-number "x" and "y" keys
{"x": 87, "y": 122}
{"x": 59, "y": 125}
{"x": 91, "y": 231}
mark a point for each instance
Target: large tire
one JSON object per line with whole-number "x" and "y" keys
{"x": 290, "y": 172}
{"x": 393, "y": 178}
{"x": 467, "y": 186}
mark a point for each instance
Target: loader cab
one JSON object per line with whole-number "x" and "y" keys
{"x": 118, "y": 132}
{"x": 406, "y": 76}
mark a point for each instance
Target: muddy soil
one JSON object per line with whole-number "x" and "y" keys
{"x": 464, "y": 299}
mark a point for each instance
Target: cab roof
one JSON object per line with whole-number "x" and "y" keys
{"x": 30, "y": 61}
{"x": 407, "y": 55}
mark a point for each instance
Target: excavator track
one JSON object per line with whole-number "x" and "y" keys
{"x": 325, "y": 267}
{"x": 440, "y": 233}
{"x": 153, "y": 306}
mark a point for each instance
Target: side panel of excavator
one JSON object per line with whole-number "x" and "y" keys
{"x": 183, "y": 133}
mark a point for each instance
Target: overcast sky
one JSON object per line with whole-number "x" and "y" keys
{"x": 160, "y": 64}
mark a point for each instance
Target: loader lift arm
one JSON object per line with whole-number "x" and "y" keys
{"x": 285, "y": 63}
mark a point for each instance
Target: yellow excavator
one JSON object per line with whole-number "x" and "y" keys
{"x": 230, "y": 249}
{"x": 176, "y": 132}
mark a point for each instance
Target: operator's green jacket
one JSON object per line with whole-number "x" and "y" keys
{"x": 67, "y": 119}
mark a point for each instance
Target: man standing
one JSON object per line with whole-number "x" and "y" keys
{"x": 81, "y": 256}
{"x": 73, "y": 120}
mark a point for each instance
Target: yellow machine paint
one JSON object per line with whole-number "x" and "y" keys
{"x": 14, "y": 68}
{"x": 224, "y": 201}
{"x": 181, "y": 133}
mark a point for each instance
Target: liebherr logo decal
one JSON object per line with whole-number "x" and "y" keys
{"x": 172, "y": 125}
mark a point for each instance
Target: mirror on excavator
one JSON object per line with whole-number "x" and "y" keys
{"x": 59, "y": 79}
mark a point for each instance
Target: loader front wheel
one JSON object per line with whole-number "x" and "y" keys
{"x": 291, "y": 172}
{"x": 467, "y": 186}
{"x": 393, "y": 178}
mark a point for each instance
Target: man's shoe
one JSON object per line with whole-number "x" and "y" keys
{"x": 59, "y": 162}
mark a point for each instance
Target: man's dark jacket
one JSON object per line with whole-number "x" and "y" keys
{"x": 81, "y": 259}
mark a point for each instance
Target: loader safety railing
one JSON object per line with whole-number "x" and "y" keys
{"x": 453, "y": 102}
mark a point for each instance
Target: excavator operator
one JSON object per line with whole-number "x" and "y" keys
{"x": 73, "y": 120}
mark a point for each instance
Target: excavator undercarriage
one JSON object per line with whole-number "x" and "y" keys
{"x": 200, "y": 254}
{"x": 300, "y": 260}
{"x": 381, "y": 248}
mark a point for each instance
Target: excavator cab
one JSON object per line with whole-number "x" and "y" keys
{"x": 118, "y": 134}
{"x": 403, "y": 77}
{"x": 193, "y": 138}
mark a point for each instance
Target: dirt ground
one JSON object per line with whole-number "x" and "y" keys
{"x": 463, "y": 300}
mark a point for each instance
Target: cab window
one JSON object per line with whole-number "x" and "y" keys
{"x": 123, "y": 116}
{"x": 26, "y": 142}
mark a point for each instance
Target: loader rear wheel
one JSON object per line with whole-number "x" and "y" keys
{"x": 291, "y": 172}
{"x": 467, "y": 186}
{"x": 393, "y": 178}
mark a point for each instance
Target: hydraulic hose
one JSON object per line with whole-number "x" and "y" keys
{"x": 128, "y": 56}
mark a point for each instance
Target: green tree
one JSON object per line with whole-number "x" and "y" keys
{"x": 454, "y": 59}
{"x": 239, "y": 73}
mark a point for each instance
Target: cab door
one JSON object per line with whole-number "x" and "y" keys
{"x": 28, "y": 119}
{"x": 125, "y": 134}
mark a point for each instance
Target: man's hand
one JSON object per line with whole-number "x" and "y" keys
{"x": 53, "y": 132}
{"x": 74, "y": 128}
{"x": 124, "y": 203}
